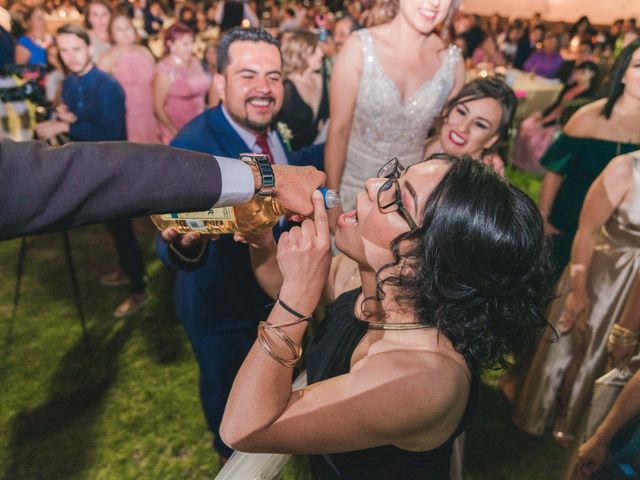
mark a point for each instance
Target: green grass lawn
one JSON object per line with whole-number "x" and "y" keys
{"x": 127, "y": 407}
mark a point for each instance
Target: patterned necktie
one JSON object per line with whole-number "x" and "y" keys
{"x": 262, "y": 142}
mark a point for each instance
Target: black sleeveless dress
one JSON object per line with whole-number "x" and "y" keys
{"x": 329, "y": 355}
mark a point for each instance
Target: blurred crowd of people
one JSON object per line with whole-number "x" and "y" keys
{"x": 346, "y": 87}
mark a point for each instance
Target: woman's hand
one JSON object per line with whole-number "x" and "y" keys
{"x": 576, "y": 304}
{"x": 304, "y": 258}
{"x": 494, "y": 161}
{"x": 548, "y": 228}
{"x": 621, "y": 354}
{"x": 591, "y": 456}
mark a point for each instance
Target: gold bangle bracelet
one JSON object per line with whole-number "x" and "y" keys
{"x": 264, "y": 344}
{"x": 268, "y": 346}
{"x": 623, "y": 332}
{"x": 622, "y": 342}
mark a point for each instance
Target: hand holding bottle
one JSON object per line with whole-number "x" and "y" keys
{"x": 189, "y": 246}
{"x": 171, "y": 235}
{"x": 304, "y": 258}
{"x": 260, "y": 240}
{"x": 294, "y": 186}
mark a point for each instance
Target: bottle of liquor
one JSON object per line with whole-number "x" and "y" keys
{"x": 254, "y": 216}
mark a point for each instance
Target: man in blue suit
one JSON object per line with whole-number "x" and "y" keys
{"x": 217, "y": 297}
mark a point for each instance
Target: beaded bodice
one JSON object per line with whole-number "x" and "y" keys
{"x": 383, "y": 125}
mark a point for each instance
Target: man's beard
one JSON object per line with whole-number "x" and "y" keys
{"x": 259, "y": 127}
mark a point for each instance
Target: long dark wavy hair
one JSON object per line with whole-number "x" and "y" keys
{"x": 616, "y": 87}
{"x": 477, "y": 268}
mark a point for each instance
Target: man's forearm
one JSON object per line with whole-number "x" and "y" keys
{"x": 44, "y": 189}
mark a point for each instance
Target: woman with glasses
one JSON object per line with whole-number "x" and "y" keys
{"x": 454, "y": 271}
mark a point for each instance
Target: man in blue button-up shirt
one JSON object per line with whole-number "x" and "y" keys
{"x": 93, "y": 109}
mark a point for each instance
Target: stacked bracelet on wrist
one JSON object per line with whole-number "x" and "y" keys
{"x": 623, "y": 337}
{"x": 268, "y": 344}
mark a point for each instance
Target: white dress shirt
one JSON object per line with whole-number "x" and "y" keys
{"x": 238, "y": 185}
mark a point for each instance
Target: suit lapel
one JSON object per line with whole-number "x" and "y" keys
{"x": 229, "y": 141}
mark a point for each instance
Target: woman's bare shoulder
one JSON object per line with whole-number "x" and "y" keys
{"x": 620, "y": 170}
{"x": 436, "y": 365}
{"x": 586, "y": 120}
{"x": 349, "y": 61}
{"x": 352, "y": 47}
{"x": 433, "y": 386}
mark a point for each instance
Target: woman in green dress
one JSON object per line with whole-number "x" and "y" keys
{"x": 593, "y": 136}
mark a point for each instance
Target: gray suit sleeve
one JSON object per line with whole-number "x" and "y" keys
{"x": 44, "y": 188}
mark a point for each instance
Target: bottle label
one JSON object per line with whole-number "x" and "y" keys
{"x": 221, "y": 214}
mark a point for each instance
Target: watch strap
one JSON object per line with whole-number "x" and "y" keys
{"x": 267, "y": 178}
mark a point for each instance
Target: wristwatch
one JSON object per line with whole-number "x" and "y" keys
{"x": 267, "y": 179}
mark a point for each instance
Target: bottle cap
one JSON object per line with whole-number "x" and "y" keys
{"x": 331, "y": 197}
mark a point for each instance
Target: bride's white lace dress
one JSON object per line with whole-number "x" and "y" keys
{"x": 384, "y": 126}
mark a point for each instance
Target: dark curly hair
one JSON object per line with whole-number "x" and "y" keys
{"x": 479, "y": 265}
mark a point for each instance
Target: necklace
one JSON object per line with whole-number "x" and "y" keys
{"x": 176, "y": 59}
{"x": 397, "y": 326}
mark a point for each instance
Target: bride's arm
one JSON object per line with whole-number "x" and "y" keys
{"x": 343, "y": 92}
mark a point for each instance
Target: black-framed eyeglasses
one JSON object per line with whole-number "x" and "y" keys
{"x": 389, "y": 196}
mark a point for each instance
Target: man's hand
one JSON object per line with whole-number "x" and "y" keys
{"x": 294, "y": 187}
{"x": 171, "y": 235}
{"x": 65, "y": 114}
{"x": 260, "y": 240}
{"x": 50, "y": 129}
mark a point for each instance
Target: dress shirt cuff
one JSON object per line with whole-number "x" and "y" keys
{"x": 238, "y": 184}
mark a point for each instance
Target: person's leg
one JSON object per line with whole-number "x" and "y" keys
{"x": 131, "y": 262}
{"x": 219, "y": 356}
{"x": 129, "y": 254}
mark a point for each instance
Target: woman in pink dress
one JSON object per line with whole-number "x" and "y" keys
{"x": 133, "y": 66}
{"x": 180, "y": 83}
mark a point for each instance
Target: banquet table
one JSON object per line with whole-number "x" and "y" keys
{"x": 534, "y": 93}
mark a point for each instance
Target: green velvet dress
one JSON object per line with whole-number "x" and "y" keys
{"x": 579, "y": 161}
